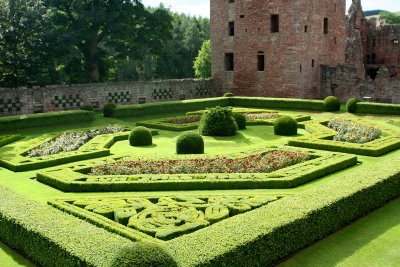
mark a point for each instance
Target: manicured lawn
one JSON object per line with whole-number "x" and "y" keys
{"x": 369, "y": 241}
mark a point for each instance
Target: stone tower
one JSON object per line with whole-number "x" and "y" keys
{"x": 275, "y": 47}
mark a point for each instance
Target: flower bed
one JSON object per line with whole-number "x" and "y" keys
{"x": 262, "y": 116}
{"x": 71, "y": 141}
{"x": 257, "y": 163}
{"x": 352, "y": 132}
{"x": 184, "y": 119}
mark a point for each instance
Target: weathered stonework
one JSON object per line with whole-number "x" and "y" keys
{"x": 68, "y": 97}
{"x": 292, "y": 55}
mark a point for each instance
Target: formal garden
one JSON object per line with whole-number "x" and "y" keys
{"x": 227, "y": 181}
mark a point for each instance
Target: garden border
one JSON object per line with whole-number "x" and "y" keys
{"x": 321, "y": 135}
{"x": 72, "y": 178}
{"x": 95, "y": 148}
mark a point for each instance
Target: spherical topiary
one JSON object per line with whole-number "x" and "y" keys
{"x": 332, "y": 103}
{"x": 108, "y": 109}
{"x": 140, "y": 136}
{"x": 351, "y": 105}
{"x": 285, "y": 126}
{"x": 143, "y": 254}
{"x": 228, "y": 95}
{"x": 190, "y": 143}
{"x": 218, "y": 121}
{"x": 87, "y": 108}
{"x": 240, "y": 120}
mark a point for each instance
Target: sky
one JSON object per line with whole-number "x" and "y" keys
{"x": 202, "y": 7}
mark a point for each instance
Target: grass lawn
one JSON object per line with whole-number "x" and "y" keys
{"x": 370, "y": 241}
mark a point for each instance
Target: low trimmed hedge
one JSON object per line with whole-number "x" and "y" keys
{"x": 168, "y": 107}
{"x": 240, "y": 120}
{"x": 293, "y": 222}
{"x": 70, "y": 179}
{"x": 283, "y": 103}
{"x": 49, "y": 237}
{"x": 7, "y": 139}
{"x": 45, "y": 119}
{"x": 377, "y": 108}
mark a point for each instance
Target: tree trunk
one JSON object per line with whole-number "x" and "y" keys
{"x": 93, "y": 60}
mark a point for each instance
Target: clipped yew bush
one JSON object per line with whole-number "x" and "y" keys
{"x": 190, "y": 143}
{"x": 218, "y": 121}
{"x": 332, "y": 103}
{"x": 108, "y": 109}
{"x": 351, "y": 105}
{"x": 140, "y": 136}
{"x": 285, "y": 126}
{"x": 228, "y": 94}
{"x": 143, "y": 254}
{"x": 240, "y": 120}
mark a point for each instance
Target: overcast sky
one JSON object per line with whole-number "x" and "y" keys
{"x": 202, "y": 7}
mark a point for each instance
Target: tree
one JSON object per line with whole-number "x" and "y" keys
{"x": 23, "y": 44}
{"x": 97, "y": 33}
{"x": 391, "y": 18}
{"x": 202, "y": 64}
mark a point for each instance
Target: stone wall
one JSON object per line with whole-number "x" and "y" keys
{"x": 68, "y": 97}
{"x": 343, "y": 81}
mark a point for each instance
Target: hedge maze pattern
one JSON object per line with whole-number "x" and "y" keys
{"x": 118, "y": 97}
{"x": 10, "y": 105}
{"x": 67, "y": 101}
{"x": 75, "y": 178}
{"x": 321, "y": 138}
{"x": 162, "y": 218}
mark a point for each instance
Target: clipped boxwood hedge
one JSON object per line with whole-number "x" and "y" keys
{"x": 351, "y": 105}
{"x": 285, "y": 126}
{"x": 378, "y": 108}
{"x": 332, "y": 103}
{"x": 168, "y": 107}
{"x": 282, "y": 103}
{"x": 44, "y": 119}
{"x": 140, "y": 136}
{"x": 49, "y": 237}
{"x": 190, "y": 143}
{"x": 293, "y": 223}
{"x": 7, "y": 139}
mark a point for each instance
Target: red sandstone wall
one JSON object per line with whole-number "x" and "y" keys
{"x": 284, "y": 52}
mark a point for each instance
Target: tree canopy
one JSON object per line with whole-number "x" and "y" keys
{"x": 202, "y": 64}
{"x": 391, "y": 18}
{"x": 81, "y": 41}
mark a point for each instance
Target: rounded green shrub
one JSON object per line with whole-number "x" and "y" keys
{"x": 143, "y": 254}
{"x": 140, "y": 136}
{"x": 190, "y": 143}
{"x": 108, "y": 109}
{"x": 332, "y": 103}
{"x": 87, "y": 108}
{"x": 228, "y": 94}
{"x": 240, "y": 120}
{"x": 218, "y": 121}
{"x": 285, "y": 126}
{"x": 351, "y": 105}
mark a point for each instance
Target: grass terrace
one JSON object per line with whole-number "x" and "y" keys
{"x": 253, "y": 198}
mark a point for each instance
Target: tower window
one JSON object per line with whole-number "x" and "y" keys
{"x": 231, "y": 28}
{"x": 312, "y": 63}
{"x": 306, "y": 28}
{"x": 326, "y": 25}
{"x": 231, "y": 1}
{"x": 275, "y": 23}
{"x": 260, "y": 61}
{"x": 229, "y": 62}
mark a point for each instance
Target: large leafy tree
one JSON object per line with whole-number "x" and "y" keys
{"x": 202, "y": 64}
{"x": 92, "y": 35}
{"x": 23, "y": 44}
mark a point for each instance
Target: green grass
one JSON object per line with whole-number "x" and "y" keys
{"x": 373, "y": 239}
